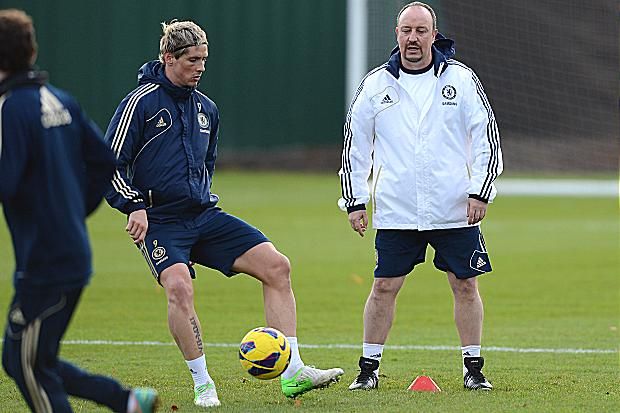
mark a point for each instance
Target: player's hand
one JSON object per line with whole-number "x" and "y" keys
{"x": 359, "y": 221}
{"x": 476, "y": 210}
{"x": 137, "y": 225}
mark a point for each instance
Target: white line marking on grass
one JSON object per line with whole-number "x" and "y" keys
{"x": 357, "y": 346}
{"x": 558, "y": 187}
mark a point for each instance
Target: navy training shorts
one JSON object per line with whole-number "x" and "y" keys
{"x": 459, "y": 250}
{"x": 215, "y": 239}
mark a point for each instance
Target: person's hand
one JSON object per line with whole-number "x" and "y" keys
{"x": 476, "y": 210}
{"x": 137, "y": 225}
{"x": 359, "y": 221}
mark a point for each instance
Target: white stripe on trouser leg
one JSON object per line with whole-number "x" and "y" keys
{"x": 27, "y": 368}
{"x": 35, "y": 340}
{"x": 30, "y": 342}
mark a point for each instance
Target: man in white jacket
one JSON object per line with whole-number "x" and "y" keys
{"x": 422, "y": 123}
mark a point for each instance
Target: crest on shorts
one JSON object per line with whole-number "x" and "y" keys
{"x": 203, "y": 120}
{"x": 158, "y": 252}
{"x": 448, "y": 92}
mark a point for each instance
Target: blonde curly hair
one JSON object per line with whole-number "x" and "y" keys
{"x": 178, "y": 36}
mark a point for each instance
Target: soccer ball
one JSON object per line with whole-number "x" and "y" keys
{"x": 264, "y": 352}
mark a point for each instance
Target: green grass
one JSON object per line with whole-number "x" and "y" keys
{"x": 555, "y": 285}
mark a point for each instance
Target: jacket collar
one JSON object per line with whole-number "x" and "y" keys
{"x": 442, "y": 49}
{"x": 153, "y": 72}
{"x": 29, "y": 77}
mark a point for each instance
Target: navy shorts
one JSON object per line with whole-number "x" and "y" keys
{"x": 214, "y": 239}
{"x": 458, "y": 250}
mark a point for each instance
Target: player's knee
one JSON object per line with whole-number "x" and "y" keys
{"x": 385, "y": 287}
{"x": 179, "y": 291}
{"x": 278, "y": 273}
{"x": 282, "y": 266}
{"x": 465, "y": 289}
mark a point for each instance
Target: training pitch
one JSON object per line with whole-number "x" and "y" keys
{"x": 550, "y": 337}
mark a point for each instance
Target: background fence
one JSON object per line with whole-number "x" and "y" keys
{"x": 275, "y": 67}
{"x": 551, "y": 70}
{"x": 277, "y": 70}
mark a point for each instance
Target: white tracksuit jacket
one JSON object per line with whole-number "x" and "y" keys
{"x": 425, "y": 165}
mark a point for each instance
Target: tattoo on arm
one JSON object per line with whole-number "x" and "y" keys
{"x": 194, "y": 323}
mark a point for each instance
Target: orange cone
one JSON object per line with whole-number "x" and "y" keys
{"x": 424, "y": 383}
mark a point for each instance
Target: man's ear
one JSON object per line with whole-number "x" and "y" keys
{"x": 168, "y": 58}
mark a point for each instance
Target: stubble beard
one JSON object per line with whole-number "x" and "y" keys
{"x": 414, "y": 59}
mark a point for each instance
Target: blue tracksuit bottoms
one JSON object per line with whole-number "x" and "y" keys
{"x": 37, "y": 321}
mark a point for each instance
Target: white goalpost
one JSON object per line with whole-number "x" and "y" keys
{"x": 357, "y": 46}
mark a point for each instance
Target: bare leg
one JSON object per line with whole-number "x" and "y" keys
{"x": 468, "y": 309}
{"x": 182, "y": 319}
{"x": 380, "y": 307}
{"x": 273, "y": 270}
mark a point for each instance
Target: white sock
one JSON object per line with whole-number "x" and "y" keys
{"x": 132, "y": 403}
{"x": 373, "y": 351}
{"x": 469, "y": 351}
{"x": 295, "y": 363}
{"x": 198, "y": 369}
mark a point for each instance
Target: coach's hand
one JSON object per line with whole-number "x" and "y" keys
{"x": 476, "y": 210}
{"x": 359, "y": 221}
{"x": 137, "y": 225}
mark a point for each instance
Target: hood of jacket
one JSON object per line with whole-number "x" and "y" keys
{"x": 443, "y": 49}
{"x": 153, "y": 72}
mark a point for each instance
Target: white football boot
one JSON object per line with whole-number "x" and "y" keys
{"x": 206, "y": 396}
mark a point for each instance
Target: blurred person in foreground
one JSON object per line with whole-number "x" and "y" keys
{"x": 424, "y": 125}
{"x": 164, "y": 135}
{"x": 55, "y": 169}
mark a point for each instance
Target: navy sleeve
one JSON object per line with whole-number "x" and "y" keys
{"x": 122, "y": 136}
{"x": 14, "y": 141}
{"x": 212, "y": 148}
{"x": 99, "y": 164}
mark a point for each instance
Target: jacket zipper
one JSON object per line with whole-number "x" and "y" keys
{"x": 374, "y": 191}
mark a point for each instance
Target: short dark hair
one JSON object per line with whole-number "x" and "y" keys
{"x": 17, "y": 40}
{"x": 419, "y": 3}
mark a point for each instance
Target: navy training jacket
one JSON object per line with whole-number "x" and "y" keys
{"x": 54, "y": 171}
{"x": 165, "y": 141}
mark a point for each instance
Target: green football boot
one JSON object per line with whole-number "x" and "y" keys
{"x": 148, "y": 400}
{"x": 308, "y": 378}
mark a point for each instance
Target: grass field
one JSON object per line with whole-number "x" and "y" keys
{"x": 555, "y": 286}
